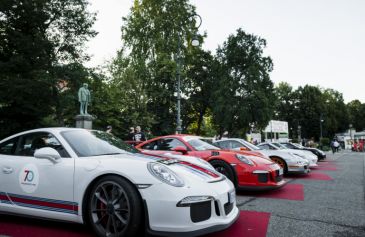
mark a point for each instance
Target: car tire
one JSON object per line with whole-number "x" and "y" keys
{"x": 280, "y": 161}
{"x": 114, "y": 208}
{"x": 224, "y": 168}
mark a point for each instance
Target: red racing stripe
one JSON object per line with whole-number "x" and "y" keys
{"x": 43, "y": 203}
{"x": 214, "y": 175}
{"x": 4, "y": 198}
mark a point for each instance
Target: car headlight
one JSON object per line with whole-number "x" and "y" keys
{"x": 244, "y": 159}
{"x": 163, "y": 173}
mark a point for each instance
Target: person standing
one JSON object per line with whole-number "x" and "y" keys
{"x": 109, "y": 129}
{"x": 130, "y": 136}
{"x": 139, "y": 135}
{"x": 336, "y": 145}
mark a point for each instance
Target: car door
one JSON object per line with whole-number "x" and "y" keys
{"x": 38, "y": 186}
{"x": 7, "y": 149}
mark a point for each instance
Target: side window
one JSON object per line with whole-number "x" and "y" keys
{"x": 150, "y": 146}
{"x": 223, "y": 145}
{"x": 272, "y": 148}
{"x": 235, "y": 144}
{"x": 265, "y": 147}
{"x": 29, "y": 143}
{"x": 8, "y": 147}
{"x": 167, "y": 144}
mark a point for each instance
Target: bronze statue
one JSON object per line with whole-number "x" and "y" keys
{"x": 84, "y": 99}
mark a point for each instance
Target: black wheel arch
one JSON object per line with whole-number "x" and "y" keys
{"x": 235, "y": 183}
{"x": 286, "y": 164}
{"x": 91, "y": 185}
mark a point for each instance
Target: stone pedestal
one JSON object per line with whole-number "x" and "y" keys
{"x": 84, "y": 121}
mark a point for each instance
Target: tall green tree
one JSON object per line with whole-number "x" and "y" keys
{"x": 200, "y": 78}
{"x": 336, "y": 118}
{"x": 155, "y": 36}
{"x": 311, "y": 109}
{"x": 356, "y": 112}
{"x": 35, "y": 37}
{"x": 287, "y": 107}
{"x": 244, "y": 92}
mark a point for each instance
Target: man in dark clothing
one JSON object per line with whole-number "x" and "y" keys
{"x": 139, "y": 136}
{"x": 131, "y": 133}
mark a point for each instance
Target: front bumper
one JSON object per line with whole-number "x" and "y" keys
{"x": 266, "y": 177}
{"x": 298, "y": 169}
{"x": 165, "y": 218}
{"x": 262, "y": 188}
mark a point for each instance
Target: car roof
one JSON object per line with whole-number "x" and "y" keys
{"x": 49, "y": 129}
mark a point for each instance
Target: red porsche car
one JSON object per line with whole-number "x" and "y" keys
{"x": 248, "y": 170}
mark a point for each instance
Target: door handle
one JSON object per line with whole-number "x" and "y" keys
{"x": 7, "y": 170}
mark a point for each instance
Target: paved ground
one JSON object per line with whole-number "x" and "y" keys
{"x": 329, "y": 202}
{"x": 330, "y": 207}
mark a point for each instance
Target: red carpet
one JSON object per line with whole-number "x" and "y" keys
{"x": 314, "y": 175}
{"x": 24, "y": 227}
{"x": 289, "y": 192}
{"x": 249, "y": 224}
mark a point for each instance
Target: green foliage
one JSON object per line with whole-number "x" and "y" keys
{"x": 243, "y": 93}
{"x": 35, "y": 38}
{"x": 307, "y": 106}
{"x": 356, "y": 112}
{"x": 153, "y": 33}
{"x": 325, "y": 141}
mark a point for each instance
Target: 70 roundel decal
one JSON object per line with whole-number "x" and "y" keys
{"x": 29, "y": 178}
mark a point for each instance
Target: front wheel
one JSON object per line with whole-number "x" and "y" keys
{"x": 224, "y": 168}
{"x": 114, "y": 208}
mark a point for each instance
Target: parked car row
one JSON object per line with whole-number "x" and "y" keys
{"x": 174, "y": 185}
{"x": 248, "y": 170}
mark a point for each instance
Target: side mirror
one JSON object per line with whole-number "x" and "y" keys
{"x": 181, "y": 149}
{"x": 48, "y": 153}
{"x": 242, "y": 148}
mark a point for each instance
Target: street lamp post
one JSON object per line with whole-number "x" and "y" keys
{"x": 178, "y": 71}
{"x": 350, "y": 126}
{"x": 194, "y": 42}
{"x": 320, "y": 127}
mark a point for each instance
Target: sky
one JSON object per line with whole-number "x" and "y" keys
{"x": 316, "y": 42}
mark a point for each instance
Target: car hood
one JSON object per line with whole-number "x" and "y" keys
{"x": 256, "y": 157}
{"x": 186, "y": 170}
{"x": 304, "y": 153}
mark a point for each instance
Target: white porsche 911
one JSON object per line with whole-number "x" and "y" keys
{"x": 92, "y": 177}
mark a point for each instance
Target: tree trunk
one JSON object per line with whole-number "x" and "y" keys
{"x": 200, "y": 120}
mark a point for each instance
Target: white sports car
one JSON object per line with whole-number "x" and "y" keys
{"x": 91, "y": 177}
{"x": 290, "y": 163}
{"x": 309, "y": 156}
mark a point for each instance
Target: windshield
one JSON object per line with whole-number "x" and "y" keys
{"x": 289, "y": 145}
{"x": 200, "y": 145}
{"x": 250, "y": 145}
{"x": 96, "y": 143}
{"x": 278, "y": 145}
